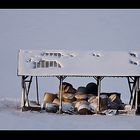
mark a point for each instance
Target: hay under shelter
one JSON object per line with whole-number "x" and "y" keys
{"x": 64, "y": 63}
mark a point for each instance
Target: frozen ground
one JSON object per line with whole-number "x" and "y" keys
{"x": 11, "y": 118}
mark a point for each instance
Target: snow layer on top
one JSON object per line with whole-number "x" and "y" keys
{"x": 78, "y": 63}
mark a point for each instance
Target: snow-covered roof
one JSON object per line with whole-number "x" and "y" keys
{"x": 78, "y": 63}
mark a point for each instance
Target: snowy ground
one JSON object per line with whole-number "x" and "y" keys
{"x": 11, "y": 118}
{"x": 88, "y": 29}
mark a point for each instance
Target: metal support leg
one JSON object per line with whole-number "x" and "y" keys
{"x": 30, "y": 81}
{"x": 37, "y": 90}
{"x": 61, "y": 78}
{"x": 136, "y": 94}
{"x": 26, "y": 94}
{"x": 131, "y": 84}
{"x": 60, "y": 94}
{"x": 99, "y": 91}
{"x": 23, "y": 93}
{"x": 135, "y": 88}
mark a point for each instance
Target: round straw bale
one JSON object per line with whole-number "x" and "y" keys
{"x": 52, "y": 107}
{"x": 82, "y": 107}
{"x": 56, "y": 101}
{"x": 68, "y": 97}
{"x": 91, "y": 99}
{"x": 90, "y": 95}
{"x": 65, "y": 87}
{"x": 78, "y": 103}
{"x": 82, "y": 89}
{"x": 92, "y": 88}
{"x": 94, "y": 103}
{"x": 49, "y": 97}
{"x": 62, "y": 94}
{"x": 80, "y": 96}
{"x": 71, "y": 90}
{"x": 115, "y": 98}
{"x": 116, "y": 93}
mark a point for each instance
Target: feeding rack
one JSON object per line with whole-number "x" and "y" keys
{"x": 65, "y": 63}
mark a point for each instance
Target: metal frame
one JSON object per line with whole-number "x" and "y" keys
{"x": 133, "y": 82}
{"x": 61, "y": 78}
{"x": 98, "y": 80}
{"x": 26, "y": 84}
{"x": 98, "y": 58}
